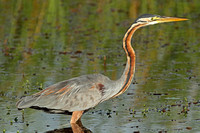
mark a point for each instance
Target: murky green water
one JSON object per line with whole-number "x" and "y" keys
{"x": 44, "y": 42}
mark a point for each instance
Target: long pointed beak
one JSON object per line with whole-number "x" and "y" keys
{"x": 170, "y": 19}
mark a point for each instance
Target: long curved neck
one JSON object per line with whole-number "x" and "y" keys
{"x": 127, "y": 76}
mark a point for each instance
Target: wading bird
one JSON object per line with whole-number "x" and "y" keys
{"x": 79, "y": 94}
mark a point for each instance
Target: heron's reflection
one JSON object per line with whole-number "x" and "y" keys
{"x": 75, "y": 128}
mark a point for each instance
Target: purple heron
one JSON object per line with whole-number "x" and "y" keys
{"x": 79, "y": 94}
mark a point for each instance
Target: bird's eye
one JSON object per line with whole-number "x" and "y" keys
{"x": 154, "y": 18}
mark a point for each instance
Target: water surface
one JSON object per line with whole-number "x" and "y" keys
{"x": 46, "y": 42}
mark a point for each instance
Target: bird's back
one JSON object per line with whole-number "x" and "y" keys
{"x": 80, "y": 93}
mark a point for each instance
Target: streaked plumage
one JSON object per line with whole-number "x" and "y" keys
{"x": 80, "y": 93}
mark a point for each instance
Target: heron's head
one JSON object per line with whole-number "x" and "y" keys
{"x": 149, "y": 19}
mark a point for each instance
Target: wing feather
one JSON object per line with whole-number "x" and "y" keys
{"x": 80, "y": 93}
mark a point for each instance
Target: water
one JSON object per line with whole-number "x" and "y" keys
{"x": 46, "y": 42}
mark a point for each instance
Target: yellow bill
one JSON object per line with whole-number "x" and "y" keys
{"x": 170, "y": 19}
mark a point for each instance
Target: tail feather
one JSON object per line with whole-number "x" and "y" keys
{"x": 25, "y": 102}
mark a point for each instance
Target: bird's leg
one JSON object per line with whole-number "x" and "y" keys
{"x": 76, "y": 117}
{"x": 76, "y": 128}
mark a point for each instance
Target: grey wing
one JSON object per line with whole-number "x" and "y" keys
{"x": 76, "y": 94}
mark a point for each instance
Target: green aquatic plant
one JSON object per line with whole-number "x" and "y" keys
{"x": 11, "y": 122}
{"x": 145, "y": 111}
